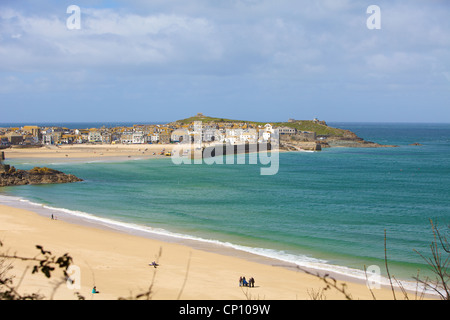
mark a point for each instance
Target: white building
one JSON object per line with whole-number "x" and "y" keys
{"x": 154, "y": 138}
{"x": 209, "y": 135}
{"x": 180, "y": 135}
{"x": 95, "y": 136}
{"x": 139, "y": 138}
{"x": 250, "y": 136}
{"x": 47, "y": 138}
{"x": 266, "y": 133}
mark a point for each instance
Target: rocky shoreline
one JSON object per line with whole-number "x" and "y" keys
{"x": 350, "y": 141}
{"x": 12, "y": 177}
{"x": 357, "y": 144}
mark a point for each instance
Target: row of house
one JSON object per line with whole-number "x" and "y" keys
{"x": 231, "y": 136}
{"x": 225, "y": 132}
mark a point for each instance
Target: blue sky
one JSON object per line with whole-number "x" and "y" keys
{"x": 163, "y": 60}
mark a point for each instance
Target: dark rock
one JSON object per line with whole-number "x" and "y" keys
{"x": 13, "y": 177}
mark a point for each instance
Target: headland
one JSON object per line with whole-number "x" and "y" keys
{"x": 153, "y": 141}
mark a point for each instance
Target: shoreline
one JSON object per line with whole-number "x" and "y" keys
{"x": 209, "y": 252}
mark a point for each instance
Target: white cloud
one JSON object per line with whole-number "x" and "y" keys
{"x": 106, "y": 38}
{"x": 310, "y": 40}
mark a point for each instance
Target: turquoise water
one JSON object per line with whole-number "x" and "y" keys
{"x": 325, "y": 209}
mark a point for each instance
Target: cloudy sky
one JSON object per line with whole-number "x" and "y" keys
{"x": 163, "y": 60}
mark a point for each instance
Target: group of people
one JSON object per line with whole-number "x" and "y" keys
{"x": 244, "y": 283}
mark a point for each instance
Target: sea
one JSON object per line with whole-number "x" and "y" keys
{"x": 334, "y": 210}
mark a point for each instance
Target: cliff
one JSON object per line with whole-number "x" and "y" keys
{"x": 12, "y": 177}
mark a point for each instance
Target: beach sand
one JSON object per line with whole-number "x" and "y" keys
{"x": 118, "y": 265}
{"x": 94, "y": 151}
{"x": 88, "y": 151}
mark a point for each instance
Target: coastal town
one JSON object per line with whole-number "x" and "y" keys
{"x": 210, "y": 131}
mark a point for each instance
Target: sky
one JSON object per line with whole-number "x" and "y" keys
{"x": 146, "y": 61}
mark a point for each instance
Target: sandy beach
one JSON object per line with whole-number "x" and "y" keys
{"x": 94, "y": 151}
{"x": 118, "y": 265}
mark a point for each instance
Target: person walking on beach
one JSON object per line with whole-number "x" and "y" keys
{"x": 240, "y": 282}
{"x": 251, "y": 282}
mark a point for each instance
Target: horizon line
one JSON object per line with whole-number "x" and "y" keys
{"x": 167, "y": 122}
